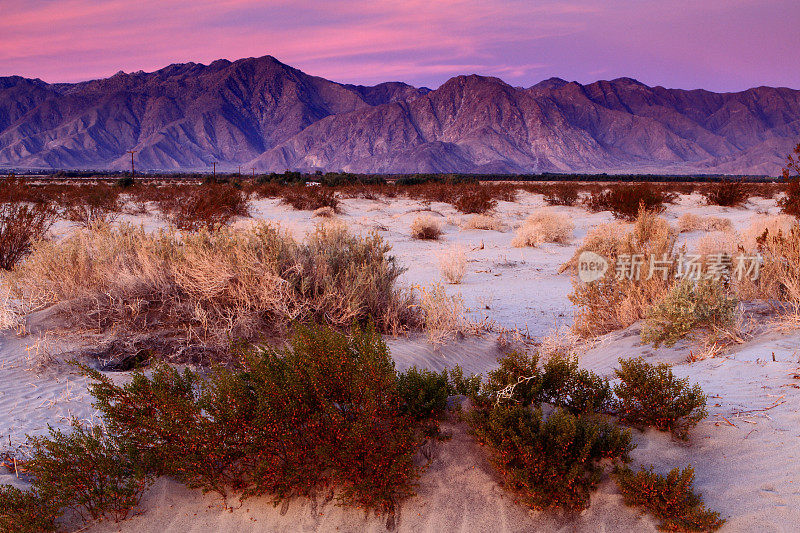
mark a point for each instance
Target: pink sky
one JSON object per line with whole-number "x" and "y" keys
{"x": 721, "y": 45}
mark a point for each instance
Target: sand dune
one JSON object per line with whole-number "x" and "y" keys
{"x": 745, "y": 453}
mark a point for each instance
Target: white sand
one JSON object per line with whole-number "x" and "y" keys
{"x": 747, "y": 471}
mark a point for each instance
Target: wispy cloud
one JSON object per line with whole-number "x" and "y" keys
{"x": 716, "y": 43}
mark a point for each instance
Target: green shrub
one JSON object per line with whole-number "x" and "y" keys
{"x": 576, "y": 389}
{"x": 459, "y": 384}
{"x": 518, "y": 378}
{"x": 24, "y": 511}
{"x": 670, "y": 499}
{"x": 329, "y": 411}
{"x": 651, "y": 396}
{"x": 88, "y": 472}
{"x": 559, "y": 382}
{"x": 549, "y": 462}
{"x": 423, "y": 393}
{"x": 162, "y": 417}
{"x": 689, "y": 305}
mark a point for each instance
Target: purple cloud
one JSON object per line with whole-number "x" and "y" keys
{"x": 715, "y": 44}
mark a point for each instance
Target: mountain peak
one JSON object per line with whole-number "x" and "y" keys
{"x": 550, "y": 84}
{"x": 262, "y": 112}
{"x": 628, "y": 81}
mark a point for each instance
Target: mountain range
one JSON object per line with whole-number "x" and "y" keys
{"x": 263, "y": 114}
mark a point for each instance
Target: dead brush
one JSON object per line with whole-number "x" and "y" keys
{"x": 691, "y": 222}
{"x": 483, "y": 222}
{"x": 453, "y": 265}
{"x": 779, "y": 277}
{"x": 617, "y": 301}
{"x": 426, "y": 227}
{"x": 214, "y": 287}
{"x": 210, "y": 206}
{"x": 442, "y": 315}
{"x": 544, "y": 225}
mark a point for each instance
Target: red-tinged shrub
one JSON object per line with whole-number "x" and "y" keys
{"x": 651, "y": 396}
{"x": 624, "y": 201}
{"x": 727, "y": 193}
{"x": 549, "y": 462}
{"x": 90, "y": 204}
{"x": 21, "y": 225}
{"x": 669, "y": 498}
{"x": 24, "y": 511}
{"x": 88, "y": 472}
{"x": 309, "y": 197}
{"x": 790, "y": 202}
{"x": 211, "y": 206}
{"x": 562, "y": 193}
{"x": 330, "y": 411}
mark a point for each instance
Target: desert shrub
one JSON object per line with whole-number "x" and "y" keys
{"x": 689, "y": 222}
{"x": 669, "y": 498}
{"x": 790, "y": 201}
{"x": 579, "y": 390}
{"x": 423, "y": 393}
{"x": 21, "y": 225}
{"x": 625, "y": 201}
{"x": 727, "y": 193}
{"x": 559, "y": 381}
{"x": 651, "y": 396}
{"x": 442, "y": 314}
{"x": 87, "y": 205}
{"x": 465, "y": 385}
{"x": 25, "y": 511}
{"x": 562, "y": 194}
{"x": 762, "y": 226}
{"x": 192, "y": 207}
{"x": 719, "y": 242}
{"x": 324, "y": 212}
{"x": 468, "y": 197}
{"x": 309, "y": 197}
{"x": 484, "y": 222}
{"x": 160, "y": 417}
{"x": 475, "y": 198}
{"x": 542, "y": 226}
{"x": 125, "y": 182}
{"x": 779, "y": 275}
{"x": 426, "y": 227}
{"x": 623, "y": 296}
{"x": 329, "y": 411}
{"x": 552, "y": 461}
{"x": 453, "y": 265}
{"x": 214, "y": 286}
{"x": 88, "y": 472}
{"x": 688, "y": 306}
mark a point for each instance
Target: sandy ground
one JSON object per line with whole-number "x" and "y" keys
{"x": 745, "y": 453}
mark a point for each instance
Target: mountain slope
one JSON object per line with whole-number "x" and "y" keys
{"x": 261, "y": 113}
